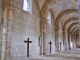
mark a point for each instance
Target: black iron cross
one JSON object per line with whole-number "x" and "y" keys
{"x": 60, "y": 46}
{"x": 28, "y": 46}
{"x": 50, "y": 45}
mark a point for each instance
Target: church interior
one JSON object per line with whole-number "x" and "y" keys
{"x": 39, "y": 30}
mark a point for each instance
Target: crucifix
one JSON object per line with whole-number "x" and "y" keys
{"x": 28, "y": 46}
{"x": 50, "y": 45}
{"x": 60, "y": 46}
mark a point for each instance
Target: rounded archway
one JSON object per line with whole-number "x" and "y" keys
{"x": 76, "y": 38}
{"x": 65, "y": 34}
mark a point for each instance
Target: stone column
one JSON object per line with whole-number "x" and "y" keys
{"x": 65, "y": 39}
{"x": 44, "y": 44}
{"x": 69, "y": 37}
{"x": 72, "y": 40}
{"x": 57, "y": 39}
{"x": 4, "y": 29}
{"x": 43, "y": 30}
{"x": 8, "y": 39}
{"x": 4, "y": 32}
{"x": 75, "y": 40}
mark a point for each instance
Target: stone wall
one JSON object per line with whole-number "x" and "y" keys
{"x": 31, "y": 3}
{"x": 61, "y": 48}
{"x": 34, "y": 9}
{"x": 77, "y": 41}
{"x": 18, "y": 3}
{"x": 50, "y": 36}
{"x": 24, "y": 25}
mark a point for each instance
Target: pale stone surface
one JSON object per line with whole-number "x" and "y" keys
{"x": 49, "y": 36}
{"x": 63, "y": 5}
{"x": 66, "y": 55}
{"x": 24, "y": 25}
{"x": 34, "y": 8}
{"x": 18, "y": 3}
{"x": 27, "y": 25}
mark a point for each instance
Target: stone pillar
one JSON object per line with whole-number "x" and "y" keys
{"x": 65, "y": 39}
{"x": 72, "y": 40}
{"x": 43, "y": 30}
{"x": 44, "y": 44}
{"x": 4, "y": 31}
{"x": 57, "y": 39}
{"x": 6, "y": 27}
{"x": 69, "y": 37}
{"x": 8, "y": 40}
{"x": 75, "y": 40}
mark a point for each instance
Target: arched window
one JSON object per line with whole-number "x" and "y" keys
{"x": 49, "y": 17}
{"x": 25, "y": 5}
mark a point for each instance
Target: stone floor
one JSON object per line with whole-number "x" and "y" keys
{"x": 65, "y": 55}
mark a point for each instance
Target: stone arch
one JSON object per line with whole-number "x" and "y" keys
{"x": 49, "y": 17}
{"x": 75, "y": 32}
{"x": 74, "y": 19}
{"x": 76, "y": 23}
{"x": 72, "y": 32}
{"x": 58, "y": 20}
{"x": 75, "y": 37}
{"x": 70, "y": 20}
{"x": 52, "y": 16}
{"x": 74, "y": 29}
{"x": 43, "y": 14}
{"x": 63, "y": 13}
{"x": 46, "y": 7}
{"x": 68, "y": 30}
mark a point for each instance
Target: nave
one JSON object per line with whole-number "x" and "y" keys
{"x": 39, "y": 29}
{"x": 73, "y": 54}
